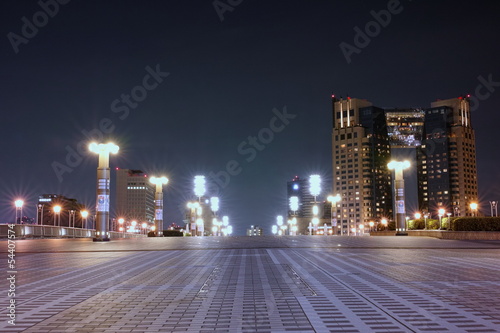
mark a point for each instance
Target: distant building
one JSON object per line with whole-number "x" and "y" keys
{"x": 361, "y": 151}
{"x": 46, "y": 215}
{"x": 255, "y": 230}
{"x": 362, "y": 138}
{"x": 300, "y": 188}
{"x": 447, "y": 173}
{"x": 135, "y": 196}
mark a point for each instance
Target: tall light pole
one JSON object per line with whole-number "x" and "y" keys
{"x": 84, "y": 214}
{"x": 425, "y": 220}
{"x": 57, "y": 213}
{"x": 159, "y": 182}
{"x": 315, "y": 190}
{"x": 71, "y": 218}
{"x": 399, "y": 183}
{"x": 214, "y": 206}
{"x": 494, "y": 208}
{"x": 19, "y": 208}
{"x": 199, "y": 191}
{"x": 103, "y": 188}
{"x": 333, "y": 200}
{"x": 40, "y": 213}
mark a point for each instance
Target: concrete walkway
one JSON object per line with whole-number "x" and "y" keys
{"x": 255, "y": 284}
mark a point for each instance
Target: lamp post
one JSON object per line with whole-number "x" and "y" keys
{"x": 133, "y": 223}
{"x": 315, "y": 190}
{"x": 199, "y": 191}
{"x": 57, "y": 213}
{"x": 473, "y": 206}
{"x": 39, "y": 213}
{"x": 71, "y": 218}
{"x": 426, "y": 216}
{"x": 494, "y": 208}
{"x": 84, "y": 214}
{"x": 19, "y": 208}
{"x": 333, "y": 200}
{"x": 144, "y": 226}
{"x": 399, "y": 183}
{"x": 279, "y": 222}
{"x": 441, "y": 214}
{"x": 159, "y": 182}
{"x": 102, "y": 192}
{"x": 225, "y": 225}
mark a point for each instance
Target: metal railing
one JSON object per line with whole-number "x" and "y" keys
{"x": 43, "y": 231}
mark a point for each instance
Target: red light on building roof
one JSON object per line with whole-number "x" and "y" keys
{"x": 117, "y": 168}
{"x": 468, "y": 95}
{"x": 348, "y": 97}
{"x": 460, "y": 97}
{"x": 333, "y": 96}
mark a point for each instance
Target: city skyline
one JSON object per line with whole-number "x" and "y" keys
{"x": 201, "y": 89}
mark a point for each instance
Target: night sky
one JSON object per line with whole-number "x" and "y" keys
{"x": 225, "y": 78}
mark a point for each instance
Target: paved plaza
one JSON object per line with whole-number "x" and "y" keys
{"x": 255, "y": 284}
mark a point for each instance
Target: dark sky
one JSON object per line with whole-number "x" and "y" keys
{"x": 225, "y": 78}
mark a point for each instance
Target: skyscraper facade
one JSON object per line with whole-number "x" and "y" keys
{"x": 134, "y": 196}
{"x": 362, "y": 138}
{"x": 447, "y": 173}
{"x": 360, "y": 151}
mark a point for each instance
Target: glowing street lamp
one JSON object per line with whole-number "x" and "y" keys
{"x": 159, "y": 182}
{"x": 19, "y": 208}
{"x": 214, "y": 204}
{"x": 441, "y": 212}
{"x": 57, "y": 211}
{"x": 384, "y": 223}
{"x": 473, "y": 207}
{"x": 103, "y": 188}
{"x": 84, "y": 214}
{"x": 144, "y": 226}
{"x": 315, "y": 185}
{"x": 399, "y": 183}
{"x": 199, "y": 186}
{"x": 333, "y": 200}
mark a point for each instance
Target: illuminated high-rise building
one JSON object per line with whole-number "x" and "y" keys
{"x": 135, "y": 196}
{"x": 360, "y": 151}
{"x": 447, "y": 174}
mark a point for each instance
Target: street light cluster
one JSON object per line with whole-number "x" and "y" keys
{"x": 197, "y": 216}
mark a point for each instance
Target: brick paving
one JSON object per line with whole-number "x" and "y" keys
{"x": 256, "y": 284}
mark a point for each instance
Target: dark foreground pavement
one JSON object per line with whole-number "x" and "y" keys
{"x": 254, "y": 284}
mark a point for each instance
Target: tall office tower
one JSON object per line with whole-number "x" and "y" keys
{"x": 135, "y": 196}
{"x": 447, "y": 174}
{"x": 361, "y": 152}
{"x": 300, "y": 188}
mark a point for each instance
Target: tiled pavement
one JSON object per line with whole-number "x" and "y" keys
{"x": 256, "y": 284}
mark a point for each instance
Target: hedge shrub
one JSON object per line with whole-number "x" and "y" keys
{"x": 475, "y": 223}
{"x": 172, "y": 233}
